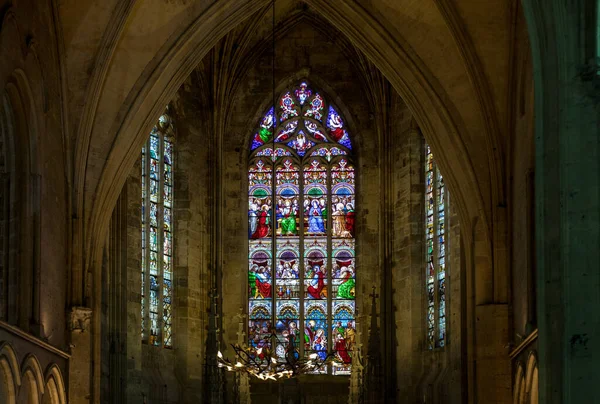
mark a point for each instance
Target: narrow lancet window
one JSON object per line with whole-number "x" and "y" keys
{"x": 435, "y": 255}
{"x": 157, "y": 234}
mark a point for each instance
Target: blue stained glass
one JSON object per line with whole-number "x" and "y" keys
{"x": 301, "y": 144}
{"x": 154, "y": 147}
{"x": 336, "y": 128}
{"x": 435, "y": 252}
{"x": 156, "y": 327}
{"x": 314, "y": 188}
{"x": 168, "y": 158}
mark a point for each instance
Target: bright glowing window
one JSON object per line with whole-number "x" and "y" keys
{"x": 301, "y": 221}
{"x": 435, "y": 252}
{"x": 157, "y": 234}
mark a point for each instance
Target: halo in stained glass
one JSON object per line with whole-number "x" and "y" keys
{"x": 310, "y": 266}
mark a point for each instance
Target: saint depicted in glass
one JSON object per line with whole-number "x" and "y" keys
{"x": 301, "y": 226}
{"x": 435, "y": 252}
{"x": 157, "y": 234}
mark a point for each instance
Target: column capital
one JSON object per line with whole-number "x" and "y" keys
{"x": 79, "y": 318}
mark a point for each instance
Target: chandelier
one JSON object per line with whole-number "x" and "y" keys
{"x": 267, "y": 364}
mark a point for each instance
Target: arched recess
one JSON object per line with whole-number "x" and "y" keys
{"x": 29, "y": 393}
{"x": 8, "y": 273}
{"x": 439, "y": 119}
{"x": 51, "y": 394}
{"x": 54, "y": 392}
{"x": 21, "y": 113}
{"x": 519, "y": 386}
{"x": 10, "y": 377}
{"x": 531, "y": 380}
{"x": 24, "y": 99}
{"x": 32, "y": 386}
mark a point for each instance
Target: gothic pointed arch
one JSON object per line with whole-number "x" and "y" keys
{"x": 301, "y": 229}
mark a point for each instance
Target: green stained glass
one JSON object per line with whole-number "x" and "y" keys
{"x": 295, "y": 276}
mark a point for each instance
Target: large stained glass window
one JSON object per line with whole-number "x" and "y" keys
{"x": 157, "y": 234}
{"x": 301, "y": 215}
{"x": 435, "y": 252}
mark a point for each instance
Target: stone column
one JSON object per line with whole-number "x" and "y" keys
{"x": 243, "y": 384}
{"x": 80, "y": 364}
{"x": 564, "y": 46}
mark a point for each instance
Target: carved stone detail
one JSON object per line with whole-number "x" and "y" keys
{"x": 79, "y": 319}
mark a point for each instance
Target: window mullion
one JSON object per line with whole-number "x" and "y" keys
{"x": 329, "y": 232}
{"x": 301, "y": 259}
{"x": 160, "y": 236}
{"x": 146, "y": 283}
{"x": 436, "y": 256}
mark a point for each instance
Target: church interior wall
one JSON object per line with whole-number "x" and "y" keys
{"x": 50, "y": 94}
{"x": 36, "y": 173}
{"x": 331, "y": 72}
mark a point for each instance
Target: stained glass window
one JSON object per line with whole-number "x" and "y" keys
{"x": 435, "y": 252}
{"x": 301, "y": 215}
{"x": 157, "y": 234}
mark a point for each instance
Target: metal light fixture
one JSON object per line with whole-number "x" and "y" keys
{"x": 264, "y": 363}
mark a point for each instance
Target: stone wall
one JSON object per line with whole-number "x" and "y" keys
{"x": 156, "y": 374}
{"x": 303, "y": 52}
{"x": 422, "y": 375}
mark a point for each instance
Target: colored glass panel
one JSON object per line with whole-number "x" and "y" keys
{"x": 264, "y": 133}
{"x": 303, "y": 92}
{"x": 157, "y": 242}
{"x": 435, "y": 252}
{"x": 337, "y": 132}
{"x": 315, "y": 131}
{"x": 287, "y": 131}
{"x": 301, "y": 231}
{"x": 287, "y": 107}
{"x": 316, "y": 108}
{"x": 328, "y": 153}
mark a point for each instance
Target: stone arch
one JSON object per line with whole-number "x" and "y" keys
{"x": 55, "y": 387}
{"x": 10, "y": 378}
{"x": 31, "y": 368}
{"x": 519, "y": 385}
{"x": 478, "y": 194}
{"x": 160, "y": 82}
{"x": 317, "y": 82}
{"x": 29, "y": 392}
{"x": 26, "y": 188}
{"x": 51, "y": 394}
{"x": 531, "y": 380}
{"x": 7, "y": 202}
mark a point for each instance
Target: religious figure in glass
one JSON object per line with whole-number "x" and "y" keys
{"x": 301, "y": 227}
